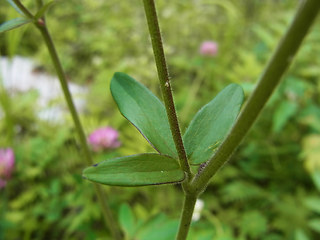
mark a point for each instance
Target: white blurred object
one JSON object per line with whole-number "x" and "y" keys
{"x": 18, "y": 75}
{"x": 197, "y": 210}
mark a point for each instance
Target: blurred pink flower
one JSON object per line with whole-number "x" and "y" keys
{"x": 6, "y": 165}
{"x": 209, "y": 48}
{"x": 104, "y": 138}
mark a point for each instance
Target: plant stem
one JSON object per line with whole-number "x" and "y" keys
{"x": 41, "y": 25}
{"x": 274, "y": 70}
{"x": 23, "y": 9}
{"x": 39, "y": 4}
{"x": 111, "y": 223}
{"x": 64, "y": 85}
{"x": 6, "y": 105}
{"x": 186, "y": 216}
{"x": 163, "y": 74}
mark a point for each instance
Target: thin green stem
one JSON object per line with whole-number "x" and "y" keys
{"x": 274, "y": 70}
{"x": 5, "y": 103}
{"x": 23, "y": 9}
{"x": 111, "y": 223}
{"x": 64, "y": 85}
{"x": 107, "y": 213}
{"x": 41, "y": 25}
{"x": 186, "y": 216}
{"x": 39, "y": 4}
{"x": 163, "y": 74}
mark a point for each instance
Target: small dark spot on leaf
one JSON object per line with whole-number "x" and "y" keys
{"x": 94, "y": 165}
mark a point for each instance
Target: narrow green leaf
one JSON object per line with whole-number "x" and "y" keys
{"x": 158, "y": 227}
{"x": 145, "y": 111}
{"x": 15, "y": 7}
{"x": 13, "y": 23}
{"x": 127, "y": 220}
{"x": 164, "y": 231}
{"x": 282, "y": 115}
{"x": 300, "y": 235}
{"x": 313, "y": 203}
{"x": 314, "y": 224}
{"x": 315, "y": 175}
{"x": 43, "y": 9}
{"x": 212, "y": 123}
{"x": 136, "y": 170}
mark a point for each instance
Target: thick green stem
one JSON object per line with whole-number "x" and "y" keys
{"x": 163, "y": 74}
{"x": 276, "y": 67}
{"x": 186, "y": 216}
{"x": 40, "y": 24}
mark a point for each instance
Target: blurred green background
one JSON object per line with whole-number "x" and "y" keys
{"x": 270, "y": 189}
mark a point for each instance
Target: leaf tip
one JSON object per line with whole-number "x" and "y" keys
{"x": 118, "y": 74}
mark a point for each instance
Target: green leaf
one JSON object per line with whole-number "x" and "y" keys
{"x": 313, "y": 203}
{"x": 145, "y": 111}
{"x": 159, "y": 227}
{"x": 300, "y": 235}
{"x": 43, "y": 9}
{"x": 127, "y": 220}
{"x": 13, "y": 23}
{"x": 15, "y": 7}
{"x": 283, "y": 113}
{"x": 314, "y": 224}
{"x": 316, "y": 178}
{"x": 136, "y": 170}
{"x": 253, "y": 224}
{"x": 212, "y": 123}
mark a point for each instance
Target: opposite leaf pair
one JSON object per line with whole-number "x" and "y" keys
{"x": 20, "y": 21}
{"x": 147, "y": 113}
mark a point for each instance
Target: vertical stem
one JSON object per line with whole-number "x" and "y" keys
{"x": 163, "y": 74}
{"x": 64, "y": 85}
{"x": 39, "y": 4}
{"x": 186, "y": 216}
{"x": 5, "y": 103}
{"x": 111, "y": 223}
{"x": 107, "y": 213}
{"x": 23, "y": 9}
{"x": 41, "y": 25}
{"x": 274, "y": 70}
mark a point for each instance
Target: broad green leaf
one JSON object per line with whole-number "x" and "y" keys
{"x": 43, "y": 10}
{"x": 145, "y": 111}
{"x": 13, "y": 23}
{"x": 15, "y": 7}
{"x": 212, "y": 123}
{"x": 136, "y": 170}
{"x": 127, "y": 220}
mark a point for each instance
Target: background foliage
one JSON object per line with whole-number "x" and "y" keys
{"x": 271, "y": 188}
